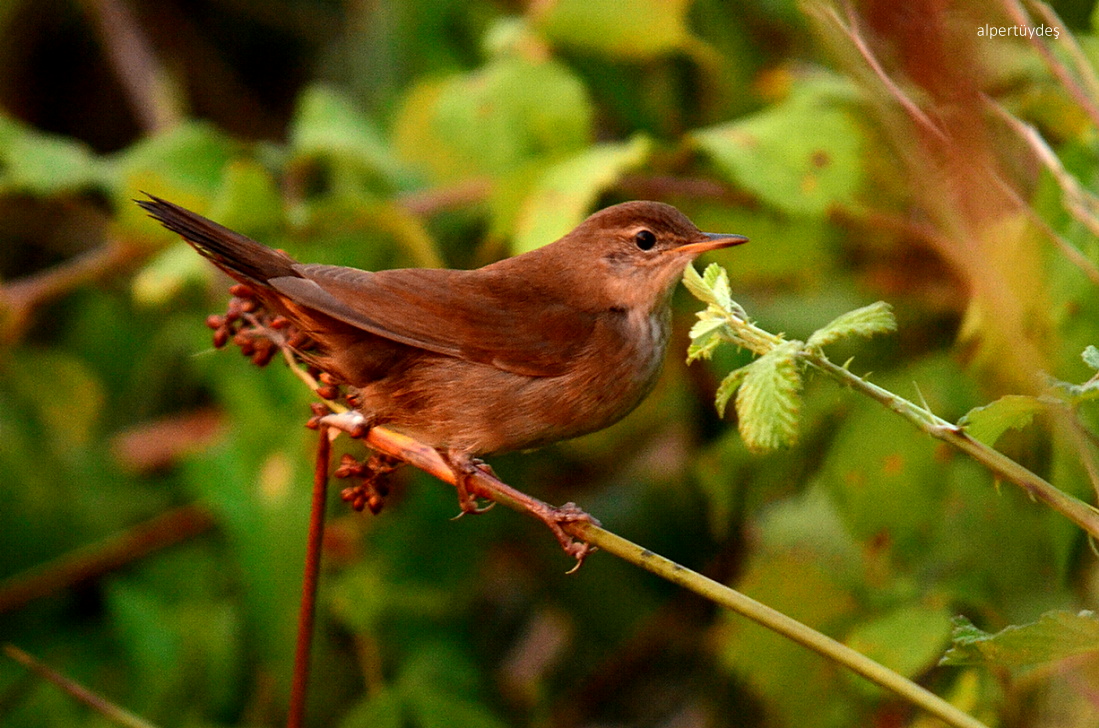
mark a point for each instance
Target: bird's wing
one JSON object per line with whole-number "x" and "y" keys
{"x": 478, "y": 316}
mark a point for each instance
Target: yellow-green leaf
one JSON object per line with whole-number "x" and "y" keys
{"x": 1010, "y": 412}
{"x": 877, "y": 318}
{"x": 562, "y": 198}
{"x": 1054, "y": 636}
{"x": 493, "y": 121}
{"x": 769, "y": 399}
{"x": 728, "y": 386}
{"x": 801, "y": 156}
{"x": 620, "y": 28}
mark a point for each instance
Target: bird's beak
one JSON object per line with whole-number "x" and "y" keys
{"x": 710, "y": 241}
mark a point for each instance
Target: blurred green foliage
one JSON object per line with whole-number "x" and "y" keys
{"x": 437, "y": 132}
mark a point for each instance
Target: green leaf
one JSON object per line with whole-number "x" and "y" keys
{"x": 877, "y": 318}
{"x": 769, "y": 399}
{"x": 163, "y": 277}
{"x": 697, "y": 284}
{"x": 708, "y": 322}
{"x": 1054, "y": 636}
{"x": 801, "y": 156}
{"x": 567, "y": 190}
{"x": 328, "y": 124}
{"x": 495, "y": 120}
{"x": 1011, "y": 412}
{"x": 728, "y": 386}
{"x": 633, "y": 29}
{"x": 908, "y": 640}
{"x": 43, "y": 164}
{"x": 383, "y": 709}
{"x": 248, "y": 199}
{"x": 1091, "y": 356}
{"x": 185, "y": 164}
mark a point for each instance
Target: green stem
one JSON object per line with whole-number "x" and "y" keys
{"x": 95, "y": 701}
{"x": 1076, "y": 510}
{"x": 775, "y": 621}
{"x": 1082, "y": 514}
{"x": 427, "y": 459}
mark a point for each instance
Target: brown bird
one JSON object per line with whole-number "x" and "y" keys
{"x": 548, "y": 345}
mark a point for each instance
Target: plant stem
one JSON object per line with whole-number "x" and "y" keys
{"x": 95, "y": 701}
{"x": 427, "y": 459}
{"x": 94, "y": 560}
{"x": 1082, "y": 514}
{"x": 775, "y": 621}
{"x": 300, "y": 684}
{"x": 1076, "y": 510}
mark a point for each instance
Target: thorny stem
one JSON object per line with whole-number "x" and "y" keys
{"x": 1076, "y": 510}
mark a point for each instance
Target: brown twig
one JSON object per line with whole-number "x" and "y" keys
{"x": 19, "y": 298}
{"x": 93, "y": 700}
{"x": 100, "y": 558}
{"x": 306, "y": 615}
{"x": 134, "y": 63}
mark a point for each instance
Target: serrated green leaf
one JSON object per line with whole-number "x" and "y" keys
{"x": 1054, "y": 636}
{"x": 1091, "y": 356}
{"x": 769, "y": 399}
{"x": 703, "y": 348}
{"x": 707, "y": 324}
{"x": 712, "y": 274}
{"x": 877, "y": 318}
{"x": 1011, "y": 412}
{"x": 720, "y": 285}
{"x": 728, "y": 386}
{"x": 697, "y": 284}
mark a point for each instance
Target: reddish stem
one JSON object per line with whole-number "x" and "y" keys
{"x": 299, "y": 686}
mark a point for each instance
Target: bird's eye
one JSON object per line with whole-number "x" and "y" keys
{"x": 645, "y": 239}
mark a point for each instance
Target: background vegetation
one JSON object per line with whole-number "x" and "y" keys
{"x": 155, "y": 493}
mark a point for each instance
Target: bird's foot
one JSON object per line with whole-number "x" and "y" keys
{"x": 466, "y": 469}
{"x": 474, "y": 478}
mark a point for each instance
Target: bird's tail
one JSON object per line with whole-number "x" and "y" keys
{"x": 241, "y": 257}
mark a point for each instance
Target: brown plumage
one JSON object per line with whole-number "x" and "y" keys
{"x": 544, "y": 346}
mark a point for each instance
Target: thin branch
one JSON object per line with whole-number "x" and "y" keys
{"x": 134, "y": 63}
{"x": 850, "y": 29}
{"x": 1068, "y": 42}
{"x": 100, "y": 558}
{"x": 1081, "y": 204}
{"x": 299, "y": 688}
{"x": 1085, "y": 101}
{"x": 19, "y": 298}
{"x": 1076, "y": 510}
{"x": 93, "y": 700}
{"x": 430, "y": 461}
